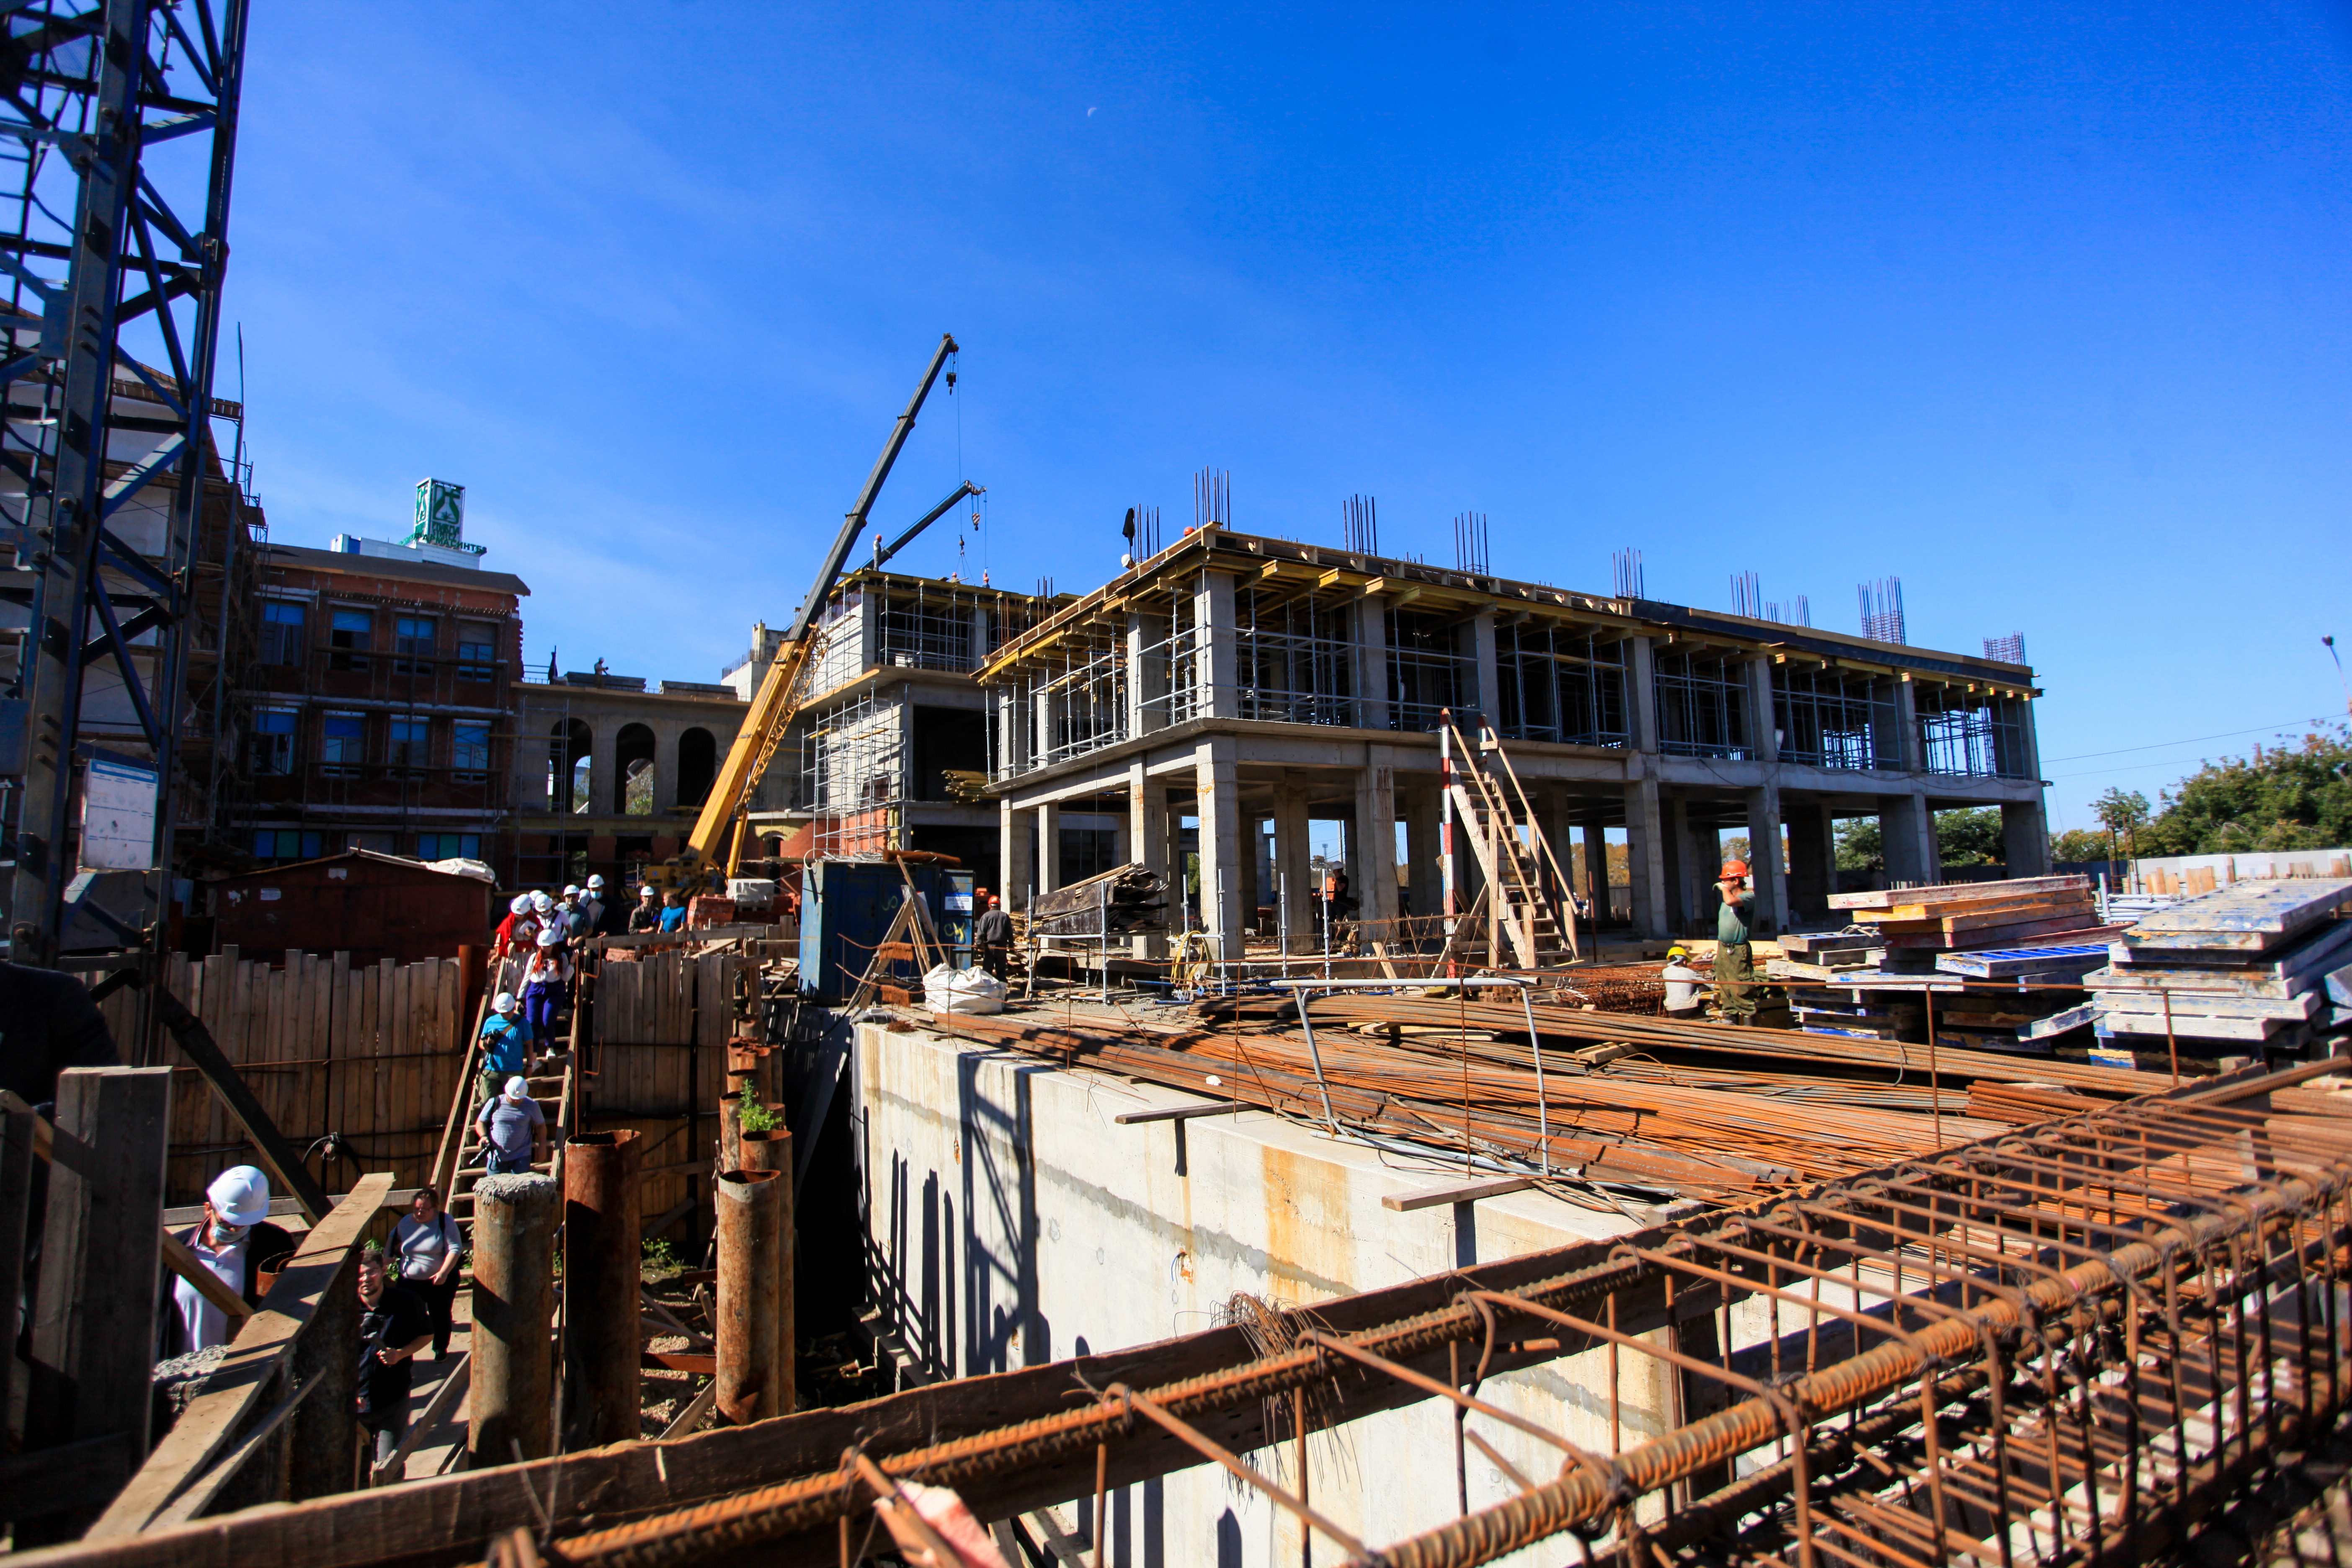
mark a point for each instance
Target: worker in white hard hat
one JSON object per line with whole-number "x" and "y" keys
{"x": 515, "y": 1128}
{"x": 507, "y": 1040}
{"x": 591, "y": 899}
{"x": 541, "y": 905}
{"x": 516, "y": 931}
{"x": 238, "y": 1245}
{"x": 647, "y": 916}
{"x": 546, "y": 982}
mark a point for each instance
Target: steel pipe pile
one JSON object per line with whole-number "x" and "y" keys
{"x": 2057, "y": 1348}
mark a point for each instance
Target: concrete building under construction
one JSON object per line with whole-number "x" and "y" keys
{"x": 1232, "y": 679}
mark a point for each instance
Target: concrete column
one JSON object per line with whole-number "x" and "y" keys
{"x": 1216, "y": 787}
{"x": 1147, "y": 838}
{"x": 1764, "y": 722}
{"x": 1421, "y": 850}
{"x": 1907, "y": 710}
{"x": 1673, "y": 823}
{"x": 1374, "y": 842}
{"x": 1764, "y": 865}
{"x": 1042, "y": 735}
{"x": 1248, "y": 874}
{"x": 982, "y": 646}
{"x": 1012, "y": 865}
{"x": 1641, "y": 694}
{"x": 1812, "y": 860}
{"x": 1220, "y": 649}
{"x": 1293, "y": 875}
{"x": 1048, "y": 868}
{"x": 869, "y": 627}
{"x": 2024, "y": 838}
{"x": 1596, "y": 870}
{"x": 1478, "y": 645}
{"x": 1371, "y": 664}
{"x": 1645, "y": 857}
{"x": 1147, "y": 674}
{"x": 1908, "y": 830}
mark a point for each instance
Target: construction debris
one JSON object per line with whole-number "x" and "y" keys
{"x": 1118, "y": 902}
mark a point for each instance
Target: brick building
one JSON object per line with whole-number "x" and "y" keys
{"x": 380, "y": 704}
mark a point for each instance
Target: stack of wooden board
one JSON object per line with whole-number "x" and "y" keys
{"x": 2252, "y": 963}
{"x": 1956, "y": 915}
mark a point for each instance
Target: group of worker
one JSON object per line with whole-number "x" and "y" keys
{"x": 1733, "y": 981}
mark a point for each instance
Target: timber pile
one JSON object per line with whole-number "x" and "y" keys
{"x": 2263, "y": 963}
{"x": 1957, "y": 915}
{"x": 1124, "y": 901}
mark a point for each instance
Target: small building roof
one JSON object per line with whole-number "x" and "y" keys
{"x": 473, "y": 870}
{"x": 385, "y": 566}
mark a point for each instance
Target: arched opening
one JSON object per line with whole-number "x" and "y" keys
{"x": 632, "y": 766}
{"x": 697, "y": 763}
{"x": 570, "y": 747}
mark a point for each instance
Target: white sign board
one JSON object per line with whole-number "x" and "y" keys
{"x": 117, "y": 816}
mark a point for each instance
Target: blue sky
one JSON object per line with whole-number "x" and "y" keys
{"x": 2044, "y": 310}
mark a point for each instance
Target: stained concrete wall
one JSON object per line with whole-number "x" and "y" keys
{"x": 1012, "y": 1221}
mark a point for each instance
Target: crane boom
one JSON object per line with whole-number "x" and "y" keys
{"x": 717, "y": 828}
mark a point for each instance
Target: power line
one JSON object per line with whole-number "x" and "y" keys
{"x": 2186, "y": 741}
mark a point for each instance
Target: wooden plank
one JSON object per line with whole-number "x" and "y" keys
{"x": 322, "y": 1263}
{"x": 1469, "y": 1192}
{"x": 2272, "y": 908}
{"x": 1949, "y": 892}
{"x": 1181, "y": 1112}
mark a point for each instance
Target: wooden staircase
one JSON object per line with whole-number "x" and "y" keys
{"x": 1513, "y": 921}
{"x": 457, "y": 1165}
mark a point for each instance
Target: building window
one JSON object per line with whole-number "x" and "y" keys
{"x": 477, "y": 652}
{"x": 449, "y": 847}
{"x": 288, "y": 844}
{"x": 342, "y": 743}
{"x": 469, "y": 748}
{"x": 413, "y": 641}
{"x": 272, "y": 748}
{"x": 282, "y": 631}
{"x": 382, "y": 843}
{"x": 349, "y": 636}
{"x": 408, "y": 739}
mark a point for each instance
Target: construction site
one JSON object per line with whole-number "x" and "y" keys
{"x": 1290, "y": 1054}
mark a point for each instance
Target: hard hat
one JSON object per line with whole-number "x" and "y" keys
{"x": 647, "y": 890}
{"x": 994, "y": 901}
{"x": 1678, "y": 951}
{"x": 570, "y": 889}
{"x": 518, "y": 1088}
{"x": 504, "y": 1002}
{"x": 541, "y": 902}
{"x": 1733, "y": 868}
{"x": 549, "y": 937}
{"x": 595, "y": 884}
{"x": 521, "y": 902}
{"x": 240, "y": 1196}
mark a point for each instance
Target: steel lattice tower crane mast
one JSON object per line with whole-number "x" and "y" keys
{"x": 120, "y": 121}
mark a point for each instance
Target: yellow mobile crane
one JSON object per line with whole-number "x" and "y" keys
{"x": 715, "y": 849}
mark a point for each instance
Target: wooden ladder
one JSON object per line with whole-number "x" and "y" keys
{"x": 558, "y": 1095}
{"x": 1493, "y": 809}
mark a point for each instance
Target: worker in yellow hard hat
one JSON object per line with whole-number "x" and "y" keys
{"x": 1735, "y": 959}
{"x": 1684, "y": 983}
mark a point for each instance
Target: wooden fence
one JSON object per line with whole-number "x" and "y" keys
{"x": 660, "y": 1060}
{"x": 370, "y": 1053}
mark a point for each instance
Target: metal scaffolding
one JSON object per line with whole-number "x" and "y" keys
{"x": 1836, "y": 718}
{"x": 1560, "y": 683}
{"x": 1428, "y": 671}
{"x": 1296, "y": 657}
{"x": 1703, "y": 705}
{"x": 854, "y": 776}
{"x": 1973, "y": 735}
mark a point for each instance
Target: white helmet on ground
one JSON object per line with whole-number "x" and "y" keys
{"x": 240, "y": 1196}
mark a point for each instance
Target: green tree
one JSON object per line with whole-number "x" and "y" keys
{"x": 2123, "y": 814}
{"x": 2078, "y": 844}
{"x": 1859, "y": 845}
{"x": 1970, "y": 837}
{"x": 2295, "y": 797}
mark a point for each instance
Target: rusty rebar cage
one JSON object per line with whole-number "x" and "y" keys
{"x": 2065, "y": 1346}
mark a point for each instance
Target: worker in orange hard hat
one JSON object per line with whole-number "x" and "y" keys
{"x": 1735, "y": 959}
{"x": 992, "y": 935}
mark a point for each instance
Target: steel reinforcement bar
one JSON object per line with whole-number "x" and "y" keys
{"x": 2081, "y": 1330}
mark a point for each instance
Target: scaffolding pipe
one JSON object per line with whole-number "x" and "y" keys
{"x": 601, "y": 1261}
{"x": 748, "y": 1237}
{"x": 510, "y": 1405}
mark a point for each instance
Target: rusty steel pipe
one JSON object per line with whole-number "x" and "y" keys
{"x": 602, "y": 1262}
{"x": 511, "y": 1400}
{"x": 749, "y": 1387}
{"x": 772, "y": 1151}
{"x": 731, "y": 1118}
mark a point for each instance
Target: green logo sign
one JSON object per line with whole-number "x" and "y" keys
{"x": 441, "y": 517}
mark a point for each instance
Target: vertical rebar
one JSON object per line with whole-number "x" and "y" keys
{"x": 748, "y": 1241}
{"x": 511, "y": 1400}
{"x": 601, "y": 1266}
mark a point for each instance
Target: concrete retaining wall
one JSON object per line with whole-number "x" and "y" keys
{"x": 1012, "y": 1222}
